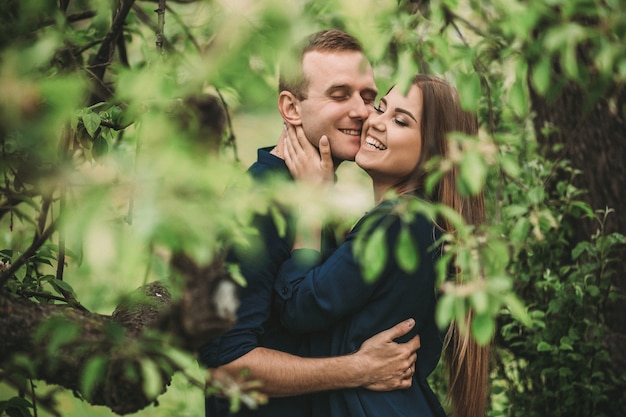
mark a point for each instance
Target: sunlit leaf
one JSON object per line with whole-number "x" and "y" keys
{"x": 91, "y": 121}
{"x": 445, "y": 310}
{"x": 483, "y": 328}
{"x": 93, "y": 374}
{"x": 541, "y": 74}
{"x": 473, "y": 173}
{"x": 518, "y": 98}
{"x": 64, "y": 333}
{"x": 152, "y": 381}
{"x": 407, "y": 254}
{"x": 544, "y": 347}
{"x": 517, "y": 308}
{"x": 480, "y": 301}
{"x": 279, "y": 220}
{"x": 374, "y": 255}
{"x": 469, "y": 88}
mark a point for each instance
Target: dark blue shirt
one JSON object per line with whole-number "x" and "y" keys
{"x": 257, "y": 325}
{"x": 332, "y": 297}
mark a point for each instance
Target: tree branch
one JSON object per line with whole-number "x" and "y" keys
{"x": 160, "y": 26}
{"x": 103, "y": 58}
{"x": 19, "y": 262}
{"x": 123, "y": 342}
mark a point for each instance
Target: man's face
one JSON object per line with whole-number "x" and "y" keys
{"x": 340, "y": 96}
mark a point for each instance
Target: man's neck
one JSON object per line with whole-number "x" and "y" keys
{"x": 277, "y": 152}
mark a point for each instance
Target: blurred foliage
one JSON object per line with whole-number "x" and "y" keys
{"x": 109, "y": 162}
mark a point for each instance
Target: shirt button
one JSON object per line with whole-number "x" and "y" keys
{"x": 285, "y": 290}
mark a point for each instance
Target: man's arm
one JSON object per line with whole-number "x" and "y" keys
{"x": 380, "y": 364}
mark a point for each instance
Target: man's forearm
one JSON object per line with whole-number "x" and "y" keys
{"x": 283, "y": 374}
{"x": 380, "y": 364}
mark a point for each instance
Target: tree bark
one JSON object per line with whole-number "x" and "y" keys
{"x": 206, "y": 309}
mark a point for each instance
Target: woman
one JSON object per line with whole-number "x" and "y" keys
{"x": 333, "y": 299}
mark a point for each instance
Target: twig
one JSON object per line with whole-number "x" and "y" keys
{"x": 231, "y": 141}
{"x": 104, "y": 54}
{"x": 19, "y": 262}
{"x": 41, "y": 295}
{"x": 147, "y": 20}
{"x": 160, "y": 26}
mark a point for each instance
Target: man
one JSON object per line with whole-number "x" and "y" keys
{"x": 331, "y": 94}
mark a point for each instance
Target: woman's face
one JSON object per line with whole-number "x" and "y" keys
{"x": 391, "y": 141}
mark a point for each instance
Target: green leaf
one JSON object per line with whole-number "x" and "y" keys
{"x": 469, "y": 89}
{"x": 279, "y": 220}
{"x": 235, "y": 273}
{"x": 520, "y": 229}
{"x": 517, "y": 309}
{"x": 496, "y": 254}
{"x": 181, "y": 359}
{"x": 16, "y": 407}
{"x": 569, "y": 60}
{"x": 566, "y": 344}
{"x": 473, "y": 173}
{"x": 541, "y": 74}
{"x": 100, "y": 147}
{"x": 91, "y": 121}
{"x": 480, "y": 301}
{"x": 152, "y": 381}
{"x": 483, "y": 328}
{"x": 518, "y": 98}
{"x": 536, "y": 195}
{"x": 580, "y": 248}
{"x": 510, "y": 165}
{"x": 515, "y": 210}
{"x": 584, "y": 207}
{"x": 62, "y": 333}
{"x": 432, "y": 180}
{"x": 374, "y": 255}
{"x": 593, "y": 290}
{"x": 544, "y": 347}
{"x": 407, "y": 68}
{"x": 60, "y": 286}
{"x": 93, "y": 373}
{"x": 460, "y": 313}
{"x": 407, "y": 254}
{"x": 444, "y": 311}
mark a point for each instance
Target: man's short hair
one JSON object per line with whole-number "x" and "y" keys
{"x": 331, "y": 40}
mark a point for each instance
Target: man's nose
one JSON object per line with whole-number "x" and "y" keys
{"x": 359, "y": 108}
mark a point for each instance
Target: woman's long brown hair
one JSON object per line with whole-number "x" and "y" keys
{"x": 466, "y": 361}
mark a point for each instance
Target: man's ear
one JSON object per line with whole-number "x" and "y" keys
{"x": 289, "y": 107}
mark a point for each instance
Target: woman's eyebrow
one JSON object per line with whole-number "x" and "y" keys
{"x": 408, "y": 113}
{"x": 400, "y": 110}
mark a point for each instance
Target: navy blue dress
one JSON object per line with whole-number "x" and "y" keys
{"x": 332, "y": 299}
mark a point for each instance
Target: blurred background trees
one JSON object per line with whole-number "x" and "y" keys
{"x": 126, "y": 127}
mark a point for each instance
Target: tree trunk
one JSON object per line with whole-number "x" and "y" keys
{"x": 594, "y": 139}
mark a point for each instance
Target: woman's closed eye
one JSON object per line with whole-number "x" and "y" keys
{"x": 380, "y": 109}
{"x": 400, "y": 122}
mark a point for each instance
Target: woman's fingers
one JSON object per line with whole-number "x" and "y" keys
{"x": 326, "y": 160}
{"x": 305, "y": 161}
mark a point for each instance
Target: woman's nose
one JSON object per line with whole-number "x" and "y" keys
{"x": 376, "y": 121}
